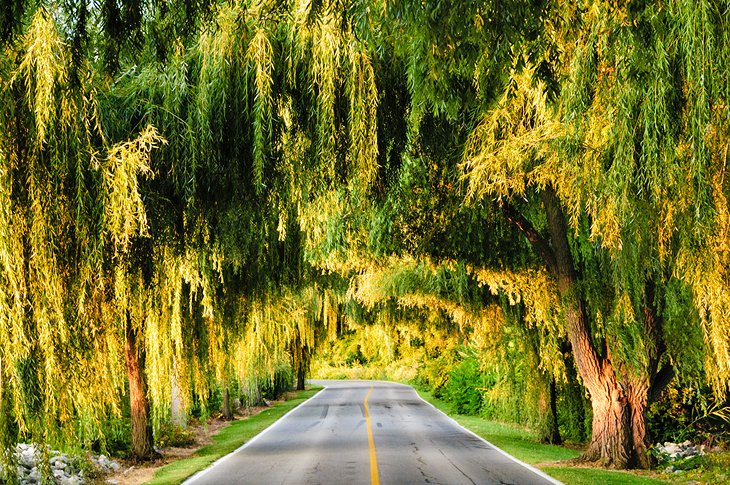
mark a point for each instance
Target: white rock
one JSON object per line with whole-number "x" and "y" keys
{"x": 27, "y": 458}
{"x": 71, "y": 481}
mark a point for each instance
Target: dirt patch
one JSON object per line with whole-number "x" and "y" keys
{"x": 132, "y": 473}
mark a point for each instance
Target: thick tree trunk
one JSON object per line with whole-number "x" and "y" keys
{"x": 612, "y": 443}
{"x": 620, "y": 438}
{"x": 142, "y": 447}
{"x": 612, "y": 438}
{"x": 638, "y": 406}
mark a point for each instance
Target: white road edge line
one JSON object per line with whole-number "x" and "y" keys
{"x": 529, "y": 467}
{"x": 202, "y": 472}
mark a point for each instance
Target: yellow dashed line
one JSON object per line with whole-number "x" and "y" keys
{"x": 374, "y": 479}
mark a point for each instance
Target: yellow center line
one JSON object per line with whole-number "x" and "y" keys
{"x": 374, "y": 479}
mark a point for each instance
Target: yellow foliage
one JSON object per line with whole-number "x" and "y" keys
{"x": 125, "y": 210}
{"x": 502, "y": 152}
{"x": 363, "y": 95}
{"x": 44, "y": 67}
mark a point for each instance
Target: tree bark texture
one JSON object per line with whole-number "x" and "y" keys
{"x": 142, "y": 447}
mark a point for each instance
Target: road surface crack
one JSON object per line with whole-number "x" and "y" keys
{"x": 460, "y": 470}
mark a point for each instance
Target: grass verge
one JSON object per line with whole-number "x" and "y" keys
{"x": 227, "y": 440}
{"x": 523, "y": 445}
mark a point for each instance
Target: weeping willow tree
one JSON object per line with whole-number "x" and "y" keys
{"x": 176, "y": 177}
{"x": 250, "y": 157}
{"x": 616, "y": 179}
{"x": 71, "y": 205}
{"x": 486, "y": 308}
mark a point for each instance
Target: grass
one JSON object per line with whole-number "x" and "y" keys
{"x": 523, "y": 445}
{"x": 227, "y": 440}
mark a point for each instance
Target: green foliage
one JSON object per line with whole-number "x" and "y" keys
{"x": 116, "y": 432}
{"x": 281, "y": 381}
{"x": 171, "y": 434}
{"x": 242, "y": 179}
{"x": 463, "y": 390}
{"x": 683, "y": 413}
{"x": 712, "y": 468}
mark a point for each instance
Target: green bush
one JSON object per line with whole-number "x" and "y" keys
{"x": 463, "y": 387}
{"x": 173, "y": 435}
{"x": 355, "y": 358}
{"x": 117, "y": 434}
{"x": 280, "y": 382}
{"x": 689, "y": 414}
{"x": 433, "y": 374}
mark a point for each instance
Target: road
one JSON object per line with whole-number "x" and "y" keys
{"x": 367, "y": 432}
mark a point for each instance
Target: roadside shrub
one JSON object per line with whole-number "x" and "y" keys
{"x": 171, "y": 434}
{"x": 117, "y": 434}
{"x": 689, "y": 414}
{"x": 279, "y": 383}
{"x": 463, "y": 387}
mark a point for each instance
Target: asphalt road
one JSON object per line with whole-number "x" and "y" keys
{"x": 367, "y": 432}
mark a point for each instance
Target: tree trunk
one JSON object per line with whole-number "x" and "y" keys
{"x": 638, "y": 406}
{"x": 301, "y": 376}
{"x": 142, "y": 447}
{"x": 619, "y": 403}
{"x": 548, "y": 410}
{"x": 227, "y": 411}
{"x": 554, "y": 437}
{"x": 612, "y": 443}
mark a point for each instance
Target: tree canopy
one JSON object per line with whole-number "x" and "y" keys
{"x": 205, "y": 190}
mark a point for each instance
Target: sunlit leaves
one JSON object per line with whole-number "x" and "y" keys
{"x": 362, "y": 120}
{"x": 44, "y": 68}
{"x": 125, "y": 210}
{"x": 505, "y": 152}
{"x": 259, "y": 54}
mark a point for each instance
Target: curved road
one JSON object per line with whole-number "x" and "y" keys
{"x": 367, "y": 432}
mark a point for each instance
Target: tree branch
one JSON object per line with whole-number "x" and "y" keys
{"x": 659, "y": 381}
{"x": 539, "y": 244}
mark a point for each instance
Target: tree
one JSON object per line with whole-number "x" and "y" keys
{"x": 607, "y": 208}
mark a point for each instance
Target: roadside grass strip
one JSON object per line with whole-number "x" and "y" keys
{"x": 524, "y": 446}
{"x": 227, "y": 440}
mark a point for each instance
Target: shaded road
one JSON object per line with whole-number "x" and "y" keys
{"x": 367, "y": 432}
